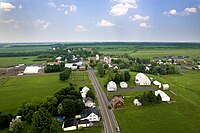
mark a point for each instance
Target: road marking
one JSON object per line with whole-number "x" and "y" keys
{"x": 100, "y": 94}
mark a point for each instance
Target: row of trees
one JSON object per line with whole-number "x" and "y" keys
{"x": 118, "y": 76}
{"x": 54, "y": 68}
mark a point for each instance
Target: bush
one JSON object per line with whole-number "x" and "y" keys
{"x": 5, "y": 121}
{"x": 16, "y": 125}
{"x": 65, "y": 74}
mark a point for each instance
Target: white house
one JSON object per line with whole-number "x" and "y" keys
{"x": 71, "y": 65}
{"x": 157, "y": 83}
{"x": 74, "y": 125}
{"x": 142, "y": 79}
{"x": 59, "y": 59}
{"x": 110, "y": 66}
{"x": 89, "y": 102}
{"x": 136, "y": 102}
{"x": 147, "y": 68}
{"x": 123, "y": 85}
{"x": 97, "y": 57}
{"x": 164, "y": 97}
{"x": 90, "y": 114}
{"x": 111, "y": 86}
{"x": 84, "y": 91}
{"x": 165, "y": 86}
{"x": 107, "y": 60}
{"x": 32, "y": 69}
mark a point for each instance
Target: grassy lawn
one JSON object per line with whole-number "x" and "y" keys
{"x": 181, "y": 116}
{"x": 34, "y": 88}
{"x": 12, "y": 61}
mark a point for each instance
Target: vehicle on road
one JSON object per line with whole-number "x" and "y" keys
{"x": 117, "y": 129}
{"x": 109, "y": 107}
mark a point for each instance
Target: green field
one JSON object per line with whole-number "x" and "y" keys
{"x": 181, "y": 116}
{"x": 149, "y": 53}
{"x": 23, "y": 49}
{"x": 12, "y": 61}
{"x": 34, "y": 88}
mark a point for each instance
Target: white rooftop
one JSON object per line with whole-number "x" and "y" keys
{"x": 165, "y": 97}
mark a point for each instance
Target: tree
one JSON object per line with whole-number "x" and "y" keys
{"x": 127, "y": 76}
{"x": 151, "y": 98}
{"x": 143, "y": 99}
{"x": 158, "y": 99}
{"x": 65, "y": 74}
{"x": 5, "y": 120}
{"x": 80, "y": 106}
{"x": 16, "y": 125}
{"x": 50, "y": 103}
{"x": 90, "y": 94}
{"x": 100, "y": 69}
{"x": 117, "y": 78}
{"x": 69, "y": 108}
{"x": 42, "y": 119}
{"x": 111, "y": 74}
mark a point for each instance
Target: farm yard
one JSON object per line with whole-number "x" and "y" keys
{"x": 156, "y": 118}
{"x": 16, "y": 90}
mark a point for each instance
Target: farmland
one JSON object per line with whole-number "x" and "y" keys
{"x": 12, "y": 61}
{"x": 155, "y": 118}
{"x": 14, "y": 91}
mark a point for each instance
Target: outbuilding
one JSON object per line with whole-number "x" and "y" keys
{"x": 165, "y": 86}
{"x": 32, "y": 69}
{"x": 157, "y": 83}
{"x": 136, "y": 102}
{"x": 164, "y": 97}
{"x": 123, "y": 85}
{"x": 142, "y": 79}
{"x": 111, "y": 86}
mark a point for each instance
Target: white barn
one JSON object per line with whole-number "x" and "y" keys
{"x": 157, "y": 83}
{"x": 90, "y": 114}
{"x": 70, "y": 65}
{"x": 123, "y": 85}
{"x": 32, "y": 69}
{"x": 142, "y": 79}
{"x": 84, "y": 91}
{"x": 164, "y": 96}
{"x": 111, "y": 86}
{"x": 165, "y": 86}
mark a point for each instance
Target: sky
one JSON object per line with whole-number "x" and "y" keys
{"x": 99, "y": 20}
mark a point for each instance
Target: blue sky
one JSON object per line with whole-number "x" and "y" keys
{"x": 99, "y": 20}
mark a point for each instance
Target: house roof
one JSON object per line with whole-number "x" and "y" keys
{"x": 53, "y": 63}
{"x": 85, "y": 89}
{"x": 89, "y": 99}
{"x": 141, "y": 76}
{"x": 32, "y": 69}
{"x": 164, "y": 96}
{"x": 70, "y": 123}
{"x": 85, "y": 113}
{"x": 117, "y": 98}
{"x": 123, "y": 85}
{"x": 111, "y": 84}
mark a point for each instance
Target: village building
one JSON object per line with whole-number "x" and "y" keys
{"x": 117, "y": 101}
{"x": 157, "y": 83}
{"x": 82, "y": 68}
{"x": 136, "y": 102}
{"x": 32, "y": 69}
{"x": 71, "y": 65}
{"x": 107, "y": 60}
{"x": 97, "y": 57}
{"x": 142, "y": 79}
{"x": 112, "y": 86}
{"x": 90, "y": 114}
{"x": 165, "y": 86}
{"x": 59, "y": 59}
{"x": 89, "y": 102}
{"x": 75, "y": 125}
{"x": 84, "y": 91}
{"x": 53, "y": 63}
{"x": 123, "y": 85}
{"x": 164, "y": 96}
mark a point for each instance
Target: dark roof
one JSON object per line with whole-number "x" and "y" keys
{"x": 89, "y": 99}
{"x": 87, "y": 112}
{"x": 70, "y": 123}
{"x": 119, "y": 96}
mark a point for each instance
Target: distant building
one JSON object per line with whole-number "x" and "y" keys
{"x": 71, "y": 65}
{"x": 117, "y": 101}
{"x": 53, "y": 63}
{"x": 97, "y": 57}
{"x": 142, "y": 79}
{"x": 157, "y": 83}
{"x": 107, "y": 60}
{"x": 82, "y": 68}
{"x": 59, "y": 59}
{"x": 32, "y": 69}
{"x": 111, "y": 86}
{"x": 164, "y": 97}
{"x": 165, "y": 86}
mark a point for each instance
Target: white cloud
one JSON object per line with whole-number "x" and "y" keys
{"x": 66, "y": 12}
{"x": 139, "y": 17}
{"x": 122, "y": 7}
{"x": 6, "y": 6}
{"x": 20, "y": 6}
{"x": 171, "y": 12}
{"x": 73, "y": 8}
{"x": 80, "y": 28}
{"x": 7, "y": 21}
{"x": 190, "y": 10}
{"x": 41, "y": 24}
{"x": 52, "y": 4}
{"x": 104, "y": 23}
{"x": 144, "y": 25}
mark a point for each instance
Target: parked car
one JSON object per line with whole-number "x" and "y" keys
{"x": 109, "y": 107}
{"x": 117, "y": 129}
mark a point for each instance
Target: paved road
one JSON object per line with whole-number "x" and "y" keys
{"x": 109, "y": 119}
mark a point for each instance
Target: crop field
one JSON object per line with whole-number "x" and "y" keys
{"x": 150, "y": 53}
{"x": 23, "y": 49}
{"x": 16, "y": 90}
{"x": 181, "y": 116}
{"x": 12, "y": 61}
